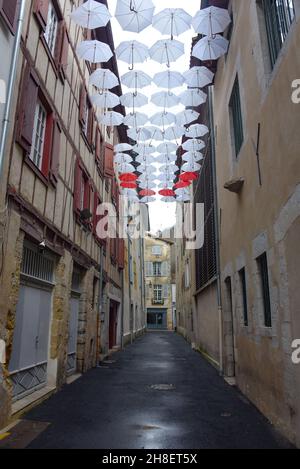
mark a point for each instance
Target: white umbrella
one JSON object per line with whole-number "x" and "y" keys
{"x": 163, "y": 119}
{"x": 94, "y": 51}
{"x": 156, "y": 133}
{"x": 210, "y": 21}
{"x": 146, "y": 168}
{"x": 147, "y": 177}
{"x": 186, "y": 117}
{"x": 172, "y": 167}
{"x": 103, "y": 79}
{"x": 168, "y": 79}
{"x": 174, "y": 132}
{"x": 105, "y": 100}
{"x": 198, "y": 77}
{"x": 193, "y": 98}
{"x": 143, "y": 149}
{"x": 192, "y": 156}
{"x": 136, "y": 119}
{"x": 130, "y": 194}
{"x": 210, "y": 48}
{"x": 168, "y": 200}
{"x": 197, "y": 131}
{"x": 136, "y": 79}
{"x": 121, "y": 147}
{"x": 166, "y": 158}
{"x": 147, "y": 185}
{"x": 183, "y": 198}
{"x": 125, "y": 168}
{"x": 111, "y": 118}
{"x": 193, "y": 145}
{"x": 168, "y": 180}
{"x": 139, "y": 135}
{"x": 191, "y": 167}
{"x": 166, "y": 51}
{"x": 164, "y": 99}
{"x": 148, "y": 200}
{"x": 134, "y": 15}
{"x": 172, "y": 21}
{"x": 134, "y": 100}
{"x": 122, "y": 158}
{"x": 91, "y": 15}
{"x": 132, "y": 52}
{"x": 145, "y": 159}
{"x": 167, "y": 147}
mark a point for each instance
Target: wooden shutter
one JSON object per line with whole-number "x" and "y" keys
{"x": 27, "y": 109}
{"x": 8, "y": 10}
{"x": 149, "y": 269}
{"x": 165, "y": 271}
{"x": 98, "y": 148}
{"x": 48, "y": 145}
{"x": 82, "y": 105}
{"x": 41, "y": 8}
{"x": 62, "y": 47}
{"x": 121, "y": 253}
{"x": 109, "y": 161}
{"x": 55, "y": 154}
{"x": 166, "y": 292}
{"x": 77, "y": 185}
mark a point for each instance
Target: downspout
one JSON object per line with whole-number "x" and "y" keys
{"x": 100, "y": 297}
{"x": 216, "y": 223}
{"x": 11, "y": 83}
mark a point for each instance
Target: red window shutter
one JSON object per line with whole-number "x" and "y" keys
{"x": 55, "y": 153}
{"x": 77, "y": 185}
{"x": 48, "y": 145}
{"x": 8, "y": 10}
{"x": 98, "y": 147}
{"x": 41, "y": 9}
{"x": 90, "y": 132}
{"x": 27, "y": 108}
{"x": 62, "y": 47}
{"x": 121, "y": 253}
{"x": 109, "y": 161}
{"x": 82, "y": 105}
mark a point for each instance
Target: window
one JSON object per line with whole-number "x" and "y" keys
{"x": 157, "y": 293}
{"x": 157, "y": 269}
{"x": 279, "y": 15}
{"x": 236, "y": 117}
{"x": 51, "y": 28}
{"x": 38, "y": 138}
{"x": 262, "y": 262}
{"x": 157, "y": 250}
{"x": 187, "y": 279}
{"x": 8, "y": 11}
{"x": 243, "y": 285}
{"x": 86, "y": 116}
{"x": 84, "y": 197}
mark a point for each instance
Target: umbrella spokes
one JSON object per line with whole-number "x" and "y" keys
{"x": 167, "y": 54}
{"x": 172, "y": 26}
{"x": 132, "y": 6}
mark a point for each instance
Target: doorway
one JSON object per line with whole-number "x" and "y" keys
{"x": 113, "y": 324}
{"x": 157, "y": 319}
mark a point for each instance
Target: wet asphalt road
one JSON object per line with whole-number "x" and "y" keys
{"x": 115, "y": 407}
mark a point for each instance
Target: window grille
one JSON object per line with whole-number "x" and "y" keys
{"x": 37, "y": 265}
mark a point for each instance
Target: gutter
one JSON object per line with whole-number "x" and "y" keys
{"x": 11, "y": 83}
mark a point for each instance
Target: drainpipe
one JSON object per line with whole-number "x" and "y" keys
{"x": 100, "y": 295}
{"x": 216, "y": 223}
{"x": 11, "y": 83}
{"x": 130, "y": 290}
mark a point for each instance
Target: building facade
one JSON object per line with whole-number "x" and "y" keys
{"x": 246, "y": 304}
{"x": 158, "y": 280}
{"x": 61, "y": 301}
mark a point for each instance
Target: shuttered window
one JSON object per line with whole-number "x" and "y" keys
{"x": 279, "y": 15}
{"x": 262, "y": 262}
{"x": 83, "y": 194}
{"x": 9, "y": 12}
{"x": 157, "y": 269}
{"x": 86, "y": 116}
{"x": 236, "y": 117}
{"x": 244, "y": 296}
{"x": 51, "y": 32}
{"x": 109, "y": 161}
{"x": 149, "y": 269}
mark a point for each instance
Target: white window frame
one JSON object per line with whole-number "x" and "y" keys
{"x": 157, "y": 250}
{"x": 51, "y": 28}
{"x": 38, "y": 135}
{"x": 157, "y": 293}
{"x": 157, "y": 269}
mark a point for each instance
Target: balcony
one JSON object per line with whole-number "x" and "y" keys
{"x": 158, "y": 301}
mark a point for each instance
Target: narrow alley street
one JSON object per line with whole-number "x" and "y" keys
{"x": 117, "y": 405}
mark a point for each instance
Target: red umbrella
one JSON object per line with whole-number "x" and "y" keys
{"x": 167, "y": 193}
{"x": 128, "y": 177}
{"x": 147, "y": 193}
{"x": 128, "y": 185}
{"x": 188, "y": 177}
{"x": 182, "y": 184}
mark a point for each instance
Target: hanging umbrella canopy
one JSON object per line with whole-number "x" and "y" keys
{"x": 136, "y": 119}
{"x": 147, "y": 185}
{"x": 198, "y": 77}
{"x": 197, "y": 131}
{"x": 183, "y": 198}
{"x": 129, "y": 185}
{"x": 125, "y": 168}
{"x": 147, "y": 200}
{"x": 91, "y": 15}
{"x": 143, "y": 149}
{"x": 192, "y": 167}
{"x": 146, "y": 168}
{"x": 129, "y": 194}
{"x": 166, "y": 178}
{"x": 192, "y": 156}
{"x": 150, "y": 177}
{"x": 94, "y": 51}
{"x": 167, "y": 193}
{"x": 166, "y": 158}
{"x": 136, "y": 79}
{"x": 182, "y": 184}
{"x": 172, "y": 21}
{"x": 193, "y": 145}
{"x": 105, "y": 100}
{"x": 210, "y": 21}
{"x": 163, "y": 119}
{"x": 139, "y": 135}
{"x": 111, "y": 118}
{"x": 174, "y": 132}
{"x": 122, "y": 158}
{"x": 168, "y": 200}
{"x": 188, "y": 176}
{"x": 166, "y": 51}
{"x": 186, "y": 117}
{"x": 103, "y": 79}
{"x": 167, "y": 147}
{"x": 147, "y": 193}
{"x": 132, "y": 52}
{"x": 210, "y": 48}
{"x": 164, "y": 99}
{"x": 134, "y": 100}
{"x": 123, "y": 147}
{"x": 134, "y": 15}
{"x": 168, "y": 79}
{"x": 193, "y": 98}
{"x": 128, "y": 177}
{"x": 156, "y": 133}
{"x": 172, "y": 167}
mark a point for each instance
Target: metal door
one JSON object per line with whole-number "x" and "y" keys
{"x": 28, "y": 364}
{"x": 73, "y": 333}
{"x": 157, "y": 319}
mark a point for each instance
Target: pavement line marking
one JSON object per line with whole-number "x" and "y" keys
{"x": 3, "y": 436}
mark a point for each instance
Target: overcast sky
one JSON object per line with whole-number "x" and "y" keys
{"x": 162, "y": 214}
